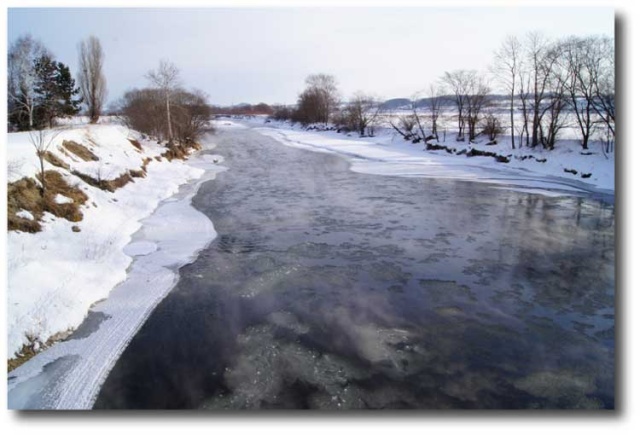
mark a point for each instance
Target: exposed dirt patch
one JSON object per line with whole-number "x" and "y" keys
{"x": 79, "y": 150}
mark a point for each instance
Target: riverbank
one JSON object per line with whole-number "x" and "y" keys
{"x": 567, "y": 169}
{"x": 60, "y": 270}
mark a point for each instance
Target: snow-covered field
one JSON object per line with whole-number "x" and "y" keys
{"x": 56, "y": 275}
{"x": 387, "y": 153}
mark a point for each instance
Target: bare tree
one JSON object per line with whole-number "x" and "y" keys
{"x": 419, "y": 117}
{"x": 507, "y": 66}
{"x": 327, "y": 88}
{"x": 404, "y": 124}
{"x": 491, "y": 127}
{"x": 602, "y": 67}
{"x": 41, "y": 140}
{"x": 22, "y": 79}
{"x": 166, "y": 79}
{"x": 577, "y": 53}
{"x": 436, "y": 101}
{"x": 93, "y": 83}
{"x": 553, "y": 114}
{"x": 362, "y": 113}
{"x": 476, "y": 100}
{"x": 144, "y": 110}
{"x": 318, "y": 101}
{"x": 540, "y": 59}
{"x": 459, "y": 83}
{"x": 524, "y": 94}
{"x": 191, "y": 117}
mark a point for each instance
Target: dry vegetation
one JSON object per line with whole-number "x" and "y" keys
{"x": 26, "y": 194}
{"x": 180, "y": 151}
{"x": 136, "y": 144}
{"x": 79, "y": 150}
{"x": 55, "y": 160}
{"x": 30, "y": 350}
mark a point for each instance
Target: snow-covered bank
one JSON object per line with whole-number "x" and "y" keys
{"x": 57, "y": 274}
{"x": 388, "y": 154}
{"x": 69, "y": 374}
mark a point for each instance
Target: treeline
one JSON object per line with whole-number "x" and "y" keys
{"x": 243, "y": 110}
{"x": 550, "y": 85}
{"x": 42, "y": 89}
{"x": 39, "y": 88}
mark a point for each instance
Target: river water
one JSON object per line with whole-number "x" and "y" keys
{"x": 331, "y": 289}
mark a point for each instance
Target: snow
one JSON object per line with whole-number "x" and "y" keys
{"x": 389, "y": 154}
{"x": 137, "y": 249}
{"x": 54, "y": 276}
{"x": 25, "y": 214}
{"x": 61, "y": 199}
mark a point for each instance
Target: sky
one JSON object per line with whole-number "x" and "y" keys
{"x": 251, "y": 55}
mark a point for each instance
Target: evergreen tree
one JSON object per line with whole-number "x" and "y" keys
{"x": 55, "y": 92}
{"x": 45, "y": 91}
{"x": 68, "y": 103}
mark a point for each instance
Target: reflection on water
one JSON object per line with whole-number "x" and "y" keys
{"x": 336, "y": 290}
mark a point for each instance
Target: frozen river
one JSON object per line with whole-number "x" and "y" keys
{"x": 331, "y": 289}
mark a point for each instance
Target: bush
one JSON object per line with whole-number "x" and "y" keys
{"x": 144, "y": 110}
{"x": 491, "y": 127}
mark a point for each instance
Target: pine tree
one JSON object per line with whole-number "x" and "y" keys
{"x": 55, "y": 92}
{"x": 45, "y": 91}
{"x": 68, "y": 103}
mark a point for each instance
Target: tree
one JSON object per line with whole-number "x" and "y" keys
{"x": 319, "y": 100}
{"x": 41, "y": 140}
{"x": 507, "y": 66}
{"x": 603, "y": 70}
{"x": 577, "y": 54}
{"x": 491, "y": 127}
{"x": 540, "y": 59}
{"x": 524, "y": 94}
{"x": 361, "y": 113}
{"x": 553, "y": 112}
{"x": 93, "y": 83}
{"x": 191, "y": 115}
{"x": 435, "y": 102}
{"x": 476, "y": 100}
{"x": 55, "y": 92}
{"x": 459, "y": 83}
{"x": 167, "y": 80}
{"x": 144, "y": 110}
{"x": 21, "y": 80}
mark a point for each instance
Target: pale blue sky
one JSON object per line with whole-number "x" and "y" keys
{"x": 253, "y": 55}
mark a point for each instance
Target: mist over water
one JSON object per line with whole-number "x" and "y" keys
{"x": 336, "y": 290}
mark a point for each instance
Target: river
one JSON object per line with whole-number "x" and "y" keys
{"x": 331, "y": 289}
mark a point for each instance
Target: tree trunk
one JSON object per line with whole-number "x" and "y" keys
{"x": 169, "y": 129}
{"x": 42, "y": 180}
{"x": 513, "y": 138}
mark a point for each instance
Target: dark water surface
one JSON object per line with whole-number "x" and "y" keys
{"x": 331, "y": 289}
